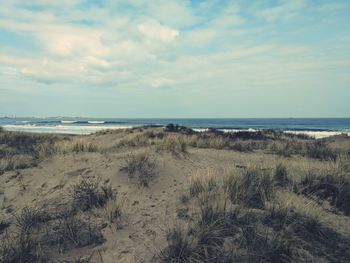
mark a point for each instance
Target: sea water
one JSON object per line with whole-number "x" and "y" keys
{"x": 317, "y": 127}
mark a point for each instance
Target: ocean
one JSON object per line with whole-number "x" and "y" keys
{"x": 317, "y": 127}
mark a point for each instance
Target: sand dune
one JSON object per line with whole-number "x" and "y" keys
{"x": 141, "y": 232}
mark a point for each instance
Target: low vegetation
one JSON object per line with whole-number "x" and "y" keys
{"x": 89, "y": 194}
{"x": 331, "y": 185}
{"x": 75, "y": 146}
{"x": 173, "y": 144}
{"x": 252, "y": 215}
{"x": 19, "y": 150}
{"x": 141, "y": 166}
{"x": 35, "y": 234}
{"x": 251, "y": 187}
{"x": 293, "y": 208}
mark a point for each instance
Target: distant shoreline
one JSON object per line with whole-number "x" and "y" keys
{"x": 318, "y": 128}
{"x": 86, "y": 130}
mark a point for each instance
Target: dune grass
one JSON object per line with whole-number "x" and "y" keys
{"x": 75, "y": 145}
{"x": 34, "y": 232}
{"x": 141, "y": 166}
{"x": 174, "y": 144}
{"x": 89, "y": 194}
{"x": 252, "y": 215}
{"x": 332, "y": 185}
{"x": 251, "y": 187}
{"x": 19, "y": 150}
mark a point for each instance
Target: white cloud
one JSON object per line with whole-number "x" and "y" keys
{"x": 67, "y": 41}
{"x": 160, "y": 82}
{"x": 152, "y": 48}
{"x": 283, "y": 11}
{"x": 155, "y": 31}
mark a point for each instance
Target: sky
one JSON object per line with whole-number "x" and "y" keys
{"x": 175, "y": 59}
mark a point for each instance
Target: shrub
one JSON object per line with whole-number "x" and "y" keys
{"x": 177, "y": 128}
{"x": 140, "y": 165}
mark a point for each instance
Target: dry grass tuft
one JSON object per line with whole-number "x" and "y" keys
{"x": 140, "y": 139}
{"x": 75, "y": 145}
{"x": 251, "y": 187}
{"x": 89, "y": 193}
{"x": 72, "y": 231}
{"x": 174, "y": 144}
{"x": 199, "y": 183}
{"x": 141, "y": 165}
{"x": 30, "y": 218}
{"x": 114, "y": 211}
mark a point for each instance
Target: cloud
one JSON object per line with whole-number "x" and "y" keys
{"x": 283, "y": 11}
{"x": 157, "y": 44}
{"x": 155, "y": 31}
{"x": 68, "y": 41}
{"x": 161, "y": 82}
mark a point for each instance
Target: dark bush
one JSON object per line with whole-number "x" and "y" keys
{"x": 281, "y": 176}
{"x": 319, "y": 150}
{"x": 179, "y": 129}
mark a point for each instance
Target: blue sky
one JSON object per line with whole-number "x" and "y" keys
{"x": 263, "y": 58}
